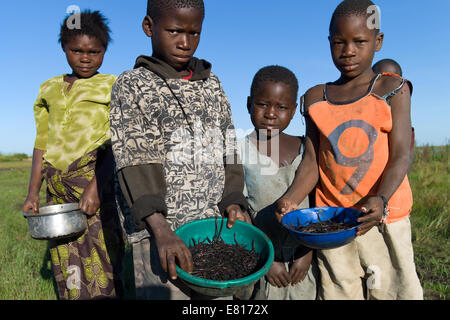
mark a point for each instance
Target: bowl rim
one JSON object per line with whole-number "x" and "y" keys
{"x": 207, "y": 283}
{"x": 54, "y": 210}
{"x": 325, "y": 233}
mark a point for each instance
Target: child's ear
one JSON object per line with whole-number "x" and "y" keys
{"x": 379, "y": 41}
{"x": 147, "y": 25}
{"x": 249, "y": 104}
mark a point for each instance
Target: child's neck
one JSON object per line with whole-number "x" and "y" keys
{"x": 361, "y": 78}
{"x": 74, "y": 76}
{"x": 185, "y": 73}
{"x": 282, "y": 148}
{"x": 347, "y": 89}
{"x": 71, "y": 78}
{"x": 264, "y": 142}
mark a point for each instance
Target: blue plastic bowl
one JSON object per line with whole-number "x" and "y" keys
{"x": 328, "y": 240}
{"x": 245, "y": 234}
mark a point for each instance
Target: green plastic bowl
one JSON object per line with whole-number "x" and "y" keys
{"x": 245, "y": 234}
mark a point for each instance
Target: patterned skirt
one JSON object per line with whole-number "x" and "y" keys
{"x": 86, "y": 266}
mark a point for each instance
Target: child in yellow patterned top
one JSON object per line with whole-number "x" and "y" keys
{"x": 72, "y": 152}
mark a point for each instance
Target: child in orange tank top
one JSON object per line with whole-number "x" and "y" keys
{"x": 391, "y": 66}
{"x": 358, "y": 133}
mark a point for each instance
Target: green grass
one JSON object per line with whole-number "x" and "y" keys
{"x": 25, "y": 271}
{"x": 431, "y": 220}
{"x": 25, "y": 268}
{"x": 26, "y": 163}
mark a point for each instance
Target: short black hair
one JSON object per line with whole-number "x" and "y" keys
{"x": 275, "y": 73}
{"x": 380, "y": 65}
{"x": 155, "y": 8}
{"x": 350, "y": 8}
{"x": 92, "y": 23}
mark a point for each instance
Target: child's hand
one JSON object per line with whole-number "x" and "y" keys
{"x": 90, "y": 202}
{"x": 284, "y": 206}
{"x": 170, "y": 246}
{"x": 234, "y": 212}
{"x": 372, "y": 207}
{"x": 299, "y": 268}
{"x": 278, "y": 276}
{"x": 31, "y": 204}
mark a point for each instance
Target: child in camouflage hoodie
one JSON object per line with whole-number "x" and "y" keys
{"x": 170, "y": 120}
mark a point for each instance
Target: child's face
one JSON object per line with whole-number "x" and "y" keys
{"x": 175, "y": 35}
{"x": 353, "y": 45}
{"x": 84, "y": 55}
{"x": 272, "y": 106}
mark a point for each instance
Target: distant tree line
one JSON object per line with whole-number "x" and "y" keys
{"x": 14, "y": 157}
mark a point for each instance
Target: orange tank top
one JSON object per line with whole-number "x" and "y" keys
{"x": 354, "y": 151}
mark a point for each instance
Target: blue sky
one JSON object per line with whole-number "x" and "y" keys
{"x": 239, "y": 37}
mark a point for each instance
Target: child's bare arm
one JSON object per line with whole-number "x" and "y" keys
{"x": 92, "y": 196}
{"x": 300, "y": 267}
{"x": 399, "y": 158}
{"x": 90, "y": 200}
{"x": 32, "y": 200}
{"x": 307, "y": 174}
{"x": 234, "y": 205}
{"x": 412, "y": 151}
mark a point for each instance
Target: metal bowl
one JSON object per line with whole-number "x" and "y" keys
{"x": 56, "y": 222}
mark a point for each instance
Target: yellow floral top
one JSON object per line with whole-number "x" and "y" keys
{"x": 71, "y": 124}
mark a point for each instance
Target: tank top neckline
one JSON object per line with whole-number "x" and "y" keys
{"x": 341, "y": 103}
{"x": 300, "y": 152}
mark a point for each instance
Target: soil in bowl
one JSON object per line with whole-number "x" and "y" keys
{"x": 216, "y": 260}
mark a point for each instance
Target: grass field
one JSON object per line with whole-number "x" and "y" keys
{"x": 431, "y": 220}
{"x": 15, "y": 164}
{"x": 25, "y": 271}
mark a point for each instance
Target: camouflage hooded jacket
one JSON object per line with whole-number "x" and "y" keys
{"x": 171, "y": 139}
